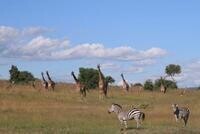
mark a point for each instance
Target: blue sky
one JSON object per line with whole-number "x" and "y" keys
{"x": 137, "y": 38}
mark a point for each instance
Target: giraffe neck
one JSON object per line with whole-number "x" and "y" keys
{"x": 43, "y": 78}
{"x": 49, "y": 76}
{"x": 101, "y": 77}
{"x": 76, "y": 80}
{"x": 123, "y": 79}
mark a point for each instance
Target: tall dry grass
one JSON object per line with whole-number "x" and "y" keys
{"x": 24, "y": 109}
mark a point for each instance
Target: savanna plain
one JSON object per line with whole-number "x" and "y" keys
{"x": 24, "y": 109}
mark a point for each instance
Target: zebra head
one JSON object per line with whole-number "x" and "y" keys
{"x": 174, "y": 107}
{"x": 116, "y": 108}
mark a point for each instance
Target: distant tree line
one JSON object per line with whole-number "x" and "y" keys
{"x": 171, "y": 70}
{"x": 90, "y": 78}
{"x": 150, "y": 85}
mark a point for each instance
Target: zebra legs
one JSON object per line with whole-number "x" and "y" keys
{"x": 185, "y": 120}
{"x": 138, "y": 123}
{"x": 123, "y": 123}
{"x": 176, "y": 118}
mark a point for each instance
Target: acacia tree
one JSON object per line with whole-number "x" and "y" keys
{"x": 172, "y": 69}
{"x": 90, "y": 77}
{"x": 14, "y": 73}
{"x": 17, "y": 76}
{"x": 109, "y": 79}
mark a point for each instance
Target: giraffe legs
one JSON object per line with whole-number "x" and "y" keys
{"x": 101, "y": 94}
{"x": 83, "y": 93}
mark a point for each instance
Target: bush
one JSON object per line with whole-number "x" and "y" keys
{"x": 17, "y": 76}
{"x": 148, "y": 85}
{"x": 167, "y": 83}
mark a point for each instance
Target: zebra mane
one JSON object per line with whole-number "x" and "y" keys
{"x": 117, "y": 105}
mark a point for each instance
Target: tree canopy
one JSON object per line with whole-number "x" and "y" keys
{"x": 17, "y": 76}
{"x": 172, "y": 69}
{"x": 90, "y": 77}
{"x": 109, "y": 79}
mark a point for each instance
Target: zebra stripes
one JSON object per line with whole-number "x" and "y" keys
{"x": 181, "y": 113}
{"x": 123, "y": 117}
{"x": 132, "y": 113}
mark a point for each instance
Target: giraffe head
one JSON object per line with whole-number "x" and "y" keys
{"x": 42, "y": 73}
{"x": 72, "y": 73}
{"x": 122, "y": 74}
{"x": 98, "y": 66}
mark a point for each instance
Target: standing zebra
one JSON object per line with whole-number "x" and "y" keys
{"x": 123, "y": 117}
{"x": 181, "y": 113}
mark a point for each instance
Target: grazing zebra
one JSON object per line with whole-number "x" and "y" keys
{"x": 123, "y": 117}
{"x": 181, "y": 113}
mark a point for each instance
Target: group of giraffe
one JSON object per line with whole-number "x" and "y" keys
{"x": 48, "y": 85}
{"x": 103, "y": 84}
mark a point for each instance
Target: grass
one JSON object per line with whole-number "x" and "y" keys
{"x": 26, "y": 110}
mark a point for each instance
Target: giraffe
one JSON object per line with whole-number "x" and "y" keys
{"x": 102, "y": 84}
{"x": 163, "y": 88}
{"x": 11, "y": 84}
{"x": 107, "y": 81}
{"x": 44, "y": 82}
{"x": 125, "y": 85}
{"x": 51, "y": 83}
{"x": 182, "y": 92}
{"x": 79, "y": 86}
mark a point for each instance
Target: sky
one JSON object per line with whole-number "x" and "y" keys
{"x": 138, "y": 38}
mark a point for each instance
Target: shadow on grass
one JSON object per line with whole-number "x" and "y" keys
{"x": 129, "y": 129}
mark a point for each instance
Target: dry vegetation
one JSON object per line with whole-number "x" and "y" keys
{"x": 24, "y": 109}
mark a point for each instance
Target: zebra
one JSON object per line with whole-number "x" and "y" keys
{"x": 181, "y": 113}
{"x": 123, "y": 117}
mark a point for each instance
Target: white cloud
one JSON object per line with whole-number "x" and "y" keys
{"x": 145, "y": 62}
{"x": 7, "y": 34}
{"x": 42, "y": 48}
{"x": 39, "y": 47}
{"x": 154, "y": 52}
{"x": 109, "y": 65}
{"x": 120, "y": 83}
{"x": 190, "y": 75}
{"x": 34, "y": 31}
{"x": 134, "y": 69}
{"x": 100, "y": 51}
